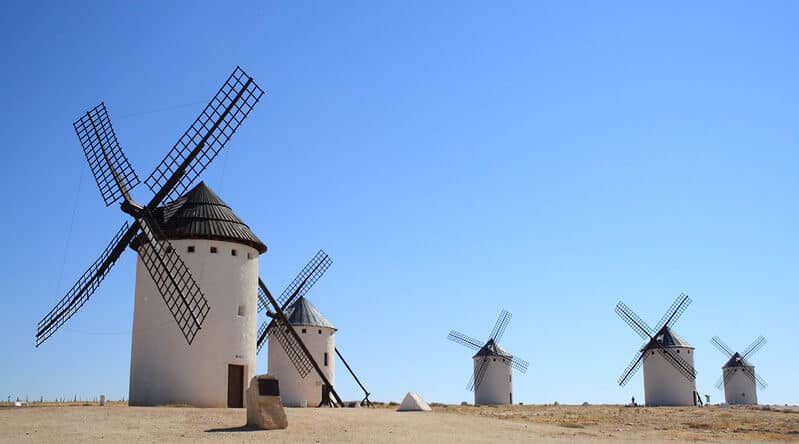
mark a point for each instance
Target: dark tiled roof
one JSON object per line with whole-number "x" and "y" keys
{"x": 303, "y": 312}
{"x": 492, "y": 349}
{"x": 201, "y": 214}
{"x": 737, "y": 361}
{"x": 667, "y": 338}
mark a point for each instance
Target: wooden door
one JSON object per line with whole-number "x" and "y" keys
{"x": 235, "y": 386}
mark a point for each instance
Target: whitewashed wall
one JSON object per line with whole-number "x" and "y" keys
{"x": 496, "y": 385}
{"x": 739, "y": 388}
{"x": 163, "y": 367}
{"x": 664, "y": 384}
{"x": 296, "y": 391}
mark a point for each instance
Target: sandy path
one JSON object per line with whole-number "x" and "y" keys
{"x": 164, "y": 424}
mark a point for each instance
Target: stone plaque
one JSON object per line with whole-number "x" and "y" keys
{"x": 268, "y": 387}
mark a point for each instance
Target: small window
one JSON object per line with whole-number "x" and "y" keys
{"x": 249, "y": 256}
{"x": 510, "y": 378}
{"x": 325, "y": 359}
{"x": 320, "y": 331}
{"x": 242, "y": 311}
{"x": 304, "y": 330}
{"x": 190, "y": 249}
{"x": 213, "y": 250}
{"x": 233, "y": 252}
{"x": 653, "y": 353}
{"x": 678, "y": 352}
{"x": 495, "y": 359}
{"x": 169, "y": 248}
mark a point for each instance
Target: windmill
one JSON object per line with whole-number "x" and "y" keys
{"x": 161, "y": 266}
{"x": 669, "y": 374}
{"x": 738, "y": 374}
{"x": 294, "y": 347}
{"x": 492, "y": 377}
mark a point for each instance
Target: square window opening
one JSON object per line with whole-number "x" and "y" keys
{"x": 213, "y": 250}
{"x": 233, "y": 252}
{"x": 242, "y": 310}
{"x": 190, "y": 249}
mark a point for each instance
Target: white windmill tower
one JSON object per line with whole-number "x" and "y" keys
{"x": 308, "y": 350}
{"x": 159, "y": 357}
{"x": 738, "y": 374}
{"x": 492, "y": 377}
{"x": 669, "y": 374}
{"x": 222, "y": 254}
{"x": 291, "y": 364}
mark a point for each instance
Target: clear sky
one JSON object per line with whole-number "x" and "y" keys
{"x": 453, "y": 159}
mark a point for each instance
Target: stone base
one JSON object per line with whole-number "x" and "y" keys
{"x": 264, "y": 409}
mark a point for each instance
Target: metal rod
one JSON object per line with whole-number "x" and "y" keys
{"x": 356, "y": 378}
{"x": 297, "y": 338}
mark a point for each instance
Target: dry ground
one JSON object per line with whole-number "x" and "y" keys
{"x": 119, "y": 423}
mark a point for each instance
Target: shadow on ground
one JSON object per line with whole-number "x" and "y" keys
{"x": 244, "y": 428}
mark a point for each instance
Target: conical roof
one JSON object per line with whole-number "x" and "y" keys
{"x": 201, "y": 214}
{"x": 303, "y": 312}
{"x": 666, "y": 337}
{"x": 737, "y": 360}
{"x": 491, "y": 348}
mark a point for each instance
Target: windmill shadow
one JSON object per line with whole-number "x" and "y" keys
{"x": 244, "y": 428}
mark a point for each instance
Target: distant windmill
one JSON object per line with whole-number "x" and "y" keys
{"x": 492, "y": 377}
{"x": 738, "y": 374}
{"x": 315, "y": 340}
{"x": 669, "y": 374}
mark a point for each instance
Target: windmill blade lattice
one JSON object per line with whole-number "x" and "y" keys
{"x": 210, "y": 132}
{"x": 519, "y": 364}
{"x": 305, "y": 280}
{"x": 674, "y": 312}
{"x": 86, "y": 285}
{"x": 680, "y": 364}
{"x": 292, "y": 349}
{"x": 477, "y": 377}
{"x": 500, "y": 326}
{"x": 721, "y": 346}
{"x": 631, "y": 368}
{"x": 761, "y": 382}
{"x": 634, "y": 321}
{"x": 299, "y": 287}
{"x": 113, "y": 173}
{"x": 754, "y": 347}
{"x": 174, "y": 281}
{"x": 460, "y": 338}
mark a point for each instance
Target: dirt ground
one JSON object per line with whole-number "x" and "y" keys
{"x": 462, "y": 424}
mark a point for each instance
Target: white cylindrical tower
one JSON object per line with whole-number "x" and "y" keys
{"x": 663, "y": 383}
{"x": 318, "y": 335}
{"x": 496, "y": 385}
{"x": 739, "y": 381}
{"x": 222, "y": 254}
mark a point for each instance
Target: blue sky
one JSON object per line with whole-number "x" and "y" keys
{"x": 454, "y": 159}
